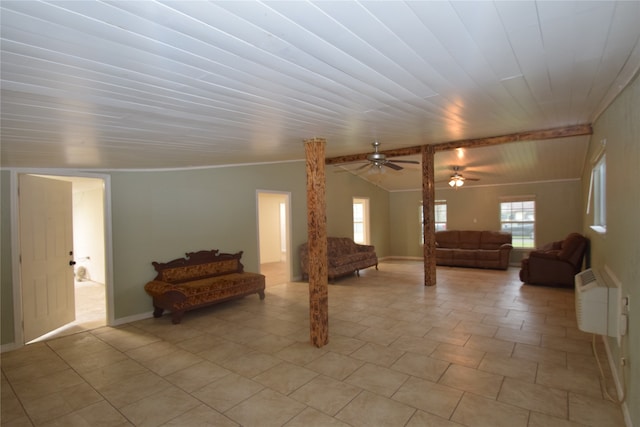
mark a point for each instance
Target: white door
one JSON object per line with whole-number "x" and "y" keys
{"x": 46, "y": 242}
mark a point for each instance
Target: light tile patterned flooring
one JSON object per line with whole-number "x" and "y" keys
{"x": 478, "y": 349}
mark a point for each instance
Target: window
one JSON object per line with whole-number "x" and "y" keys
{"x": 361, "y": 221}
{"x": 518, "y": 217}
{"x": 441, "y": 215}
{"x": 599, "y": 191}
{"x": 440, "y": 207}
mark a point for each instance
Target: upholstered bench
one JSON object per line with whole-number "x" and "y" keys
{"x": 202, "y": 278}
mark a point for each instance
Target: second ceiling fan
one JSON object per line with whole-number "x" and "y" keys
{"x": 379, "y": 160}
{"x": 457, "y": 180}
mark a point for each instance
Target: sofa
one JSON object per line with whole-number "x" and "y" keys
{"x": 469, "y": 248}
{"x": 556, "y": 263}
{"x": 344, "y": 257}
{"x": 200, "y": 279}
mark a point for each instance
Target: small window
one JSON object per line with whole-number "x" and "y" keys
{"x": 599, "y": 191}
{"x": 361, "y": 221}
{"x": 440, "y": 208}
{"x": 518, "y": 217}
{"x": 441, "y": 215}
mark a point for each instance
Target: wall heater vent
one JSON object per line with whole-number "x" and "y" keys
{"x": 592, "y": 302}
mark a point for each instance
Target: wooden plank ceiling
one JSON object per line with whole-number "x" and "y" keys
{"x": 148, "y": 85}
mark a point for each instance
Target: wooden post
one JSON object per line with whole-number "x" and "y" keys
{"x": 317, "y": 241}
{"x": 428, "y": 212}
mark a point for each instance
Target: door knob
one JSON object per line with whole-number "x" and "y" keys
{"x": 72, "y": 262}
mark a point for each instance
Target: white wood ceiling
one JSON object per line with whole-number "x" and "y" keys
{"x": 141, "y": 84}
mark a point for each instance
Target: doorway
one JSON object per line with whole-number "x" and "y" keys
{"x": 273, "y": 236}
{"x": 90, "y": 278}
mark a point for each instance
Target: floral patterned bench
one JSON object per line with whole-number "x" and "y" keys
{"x": 201, "y": 279}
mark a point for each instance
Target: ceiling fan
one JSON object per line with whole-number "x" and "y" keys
{"x": 457, "y": 180}
{"x": 378, "y": 160}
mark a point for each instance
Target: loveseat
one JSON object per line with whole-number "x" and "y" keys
{"x": 201, "y": 278}
{"x": 344, "y": 256}
{"x": 469, "y": 248}
{"x": 556, "y": 263}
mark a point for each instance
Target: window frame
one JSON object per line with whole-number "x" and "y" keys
{"x": 598, "y": 193}
{"x": 520, "y": 241}
{"x": 364, "y": 223}
{"x": 436, "y": 222}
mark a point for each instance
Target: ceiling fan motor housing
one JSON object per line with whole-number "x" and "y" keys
{"x": 377, "y": 157}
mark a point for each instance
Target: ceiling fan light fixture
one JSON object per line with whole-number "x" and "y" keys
{"x": 456, "y": 182}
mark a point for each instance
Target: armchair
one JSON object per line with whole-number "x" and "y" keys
{"x": 555, "y": 263}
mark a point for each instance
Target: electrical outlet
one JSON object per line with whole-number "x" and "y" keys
{"x": 622, "y": 326}
{"x": 626, "y": 304}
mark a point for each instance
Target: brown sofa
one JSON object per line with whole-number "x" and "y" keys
{"x": 556, "y": 263}
{"x": 202, "y": 278}
{"x": 468, "y": 248}
{"x": 344, "y": 257}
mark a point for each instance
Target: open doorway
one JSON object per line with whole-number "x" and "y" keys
{"x": 89, "y": 248}
{"x": 88, "y": 258}
{"x": 273, "y": 236}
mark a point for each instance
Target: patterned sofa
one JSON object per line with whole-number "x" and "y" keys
{"x": 344, "y": 257}
{"x": 480, "y": 249}
{"x": 202, "y": 278}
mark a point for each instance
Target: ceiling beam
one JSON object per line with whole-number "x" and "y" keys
{"x": 536, "y": 135}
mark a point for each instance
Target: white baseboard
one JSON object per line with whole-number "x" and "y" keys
{"x": 9, "y": 347}
{"x": 134, "y": 318}
{"x": 616, "y": 380}
{"x": 401, "y": 258}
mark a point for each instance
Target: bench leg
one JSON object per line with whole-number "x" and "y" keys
{"x": 157, "y": 312}
{"x": 176, "y": 316}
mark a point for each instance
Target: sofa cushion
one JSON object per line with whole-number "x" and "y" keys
{"x": 487, "y": 255}
{"x": 470, "y": 239}
{"x": 448, "y": 239}
{"x": 348, "y": 258}
{"x": 337, "y": 246}
{"x": 494, "y": 239}
{"x": 570, "y": 247}
{"x": 190, "y": 272}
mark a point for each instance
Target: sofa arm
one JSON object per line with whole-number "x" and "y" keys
{"x": 546, "y": 255}
{"x": 365, "y": 248}
{"x": 506, "y": 247}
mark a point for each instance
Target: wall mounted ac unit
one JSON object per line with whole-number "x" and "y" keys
{"x": 595, "y": 303}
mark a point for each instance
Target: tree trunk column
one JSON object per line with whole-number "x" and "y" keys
{"x": 428, "y": 212}
{"x": 317, "y": 241}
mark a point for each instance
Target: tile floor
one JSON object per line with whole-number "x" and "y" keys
{"x": 478, "y": 349}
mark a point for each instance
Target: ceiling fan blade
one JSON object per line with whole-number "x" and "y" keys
{"x": 363, "y": 169}
{"x": 414, "y": 162}
{"x": 472, "y": 179}
{"x": 394, "y": 166}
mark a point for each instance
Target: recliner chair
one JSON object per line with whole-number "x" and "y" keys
{"x": 556, "y": 263}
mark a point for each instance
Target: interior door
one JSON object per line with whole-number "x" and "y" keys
{"x": 46, "y": 242}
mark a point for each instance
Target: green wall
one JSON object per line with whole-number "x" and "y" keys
{"x": 160, "y": 215}
{"x": 619, "y": 248}
{"x": 6, "y": 288}
{"x": 478, "y": 208}
{"x": 341, "y": 189}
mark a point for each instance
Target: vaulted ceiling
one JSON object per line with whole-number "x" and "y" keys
{"x": 147, "y": 85}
